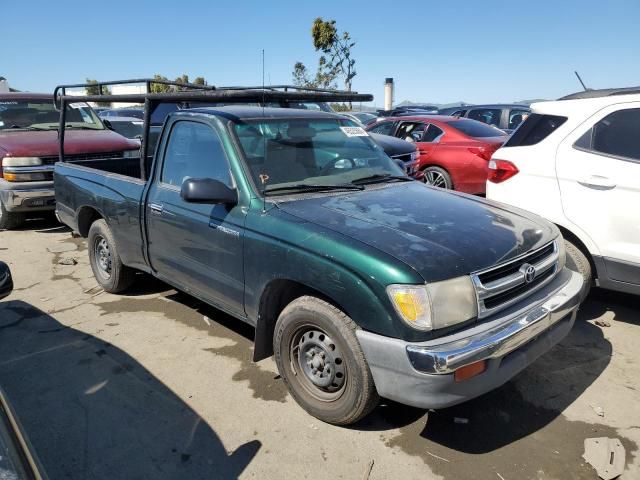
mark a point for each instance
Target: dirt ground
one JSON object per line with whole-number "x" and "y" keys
{"x": 154, "y": 384}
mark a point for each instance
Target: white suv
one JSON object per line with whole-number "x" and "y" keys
{"x": 576, "y": 161}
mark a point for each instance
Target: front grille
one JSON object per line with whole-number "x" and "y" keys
{"x": 78, "y": 157}
{"x": 502, "y": 286}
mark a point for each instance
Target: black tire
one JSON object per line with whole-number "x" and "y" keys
{"x": 10, "y": 220}
{"x": 437, "y": 177}
{"x": 578, "y": 262}
{"x": 110, "y": 273}
{"x": 310, "y": 325}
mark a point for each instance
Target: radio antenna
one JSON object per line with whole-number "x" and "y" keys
{"x": 580, "y": 80}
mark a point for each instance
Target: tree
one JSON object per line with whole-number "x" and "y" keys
{"x": 199, "y": 81}
{"x": 92, "y": 88}
{"x": 182, "y": 79}
{"x": 324, "y": 78}
{"x": 160, "y": 87}
{"x": 337, "y": 46}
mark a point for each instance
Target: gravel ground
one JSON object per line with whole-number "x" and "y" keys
{"x": 154, "y": 384}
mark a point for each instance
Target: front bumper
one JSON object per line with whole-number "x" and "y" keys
{"x": 27, "y": 197}
{"x": 421, "y": 374}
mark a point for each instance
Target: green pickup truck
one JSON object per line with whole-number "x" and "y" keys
{"x": 361, "y": 282}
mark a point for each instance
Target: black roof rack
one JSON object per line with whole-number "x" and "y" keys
{"x": 602, "y": 92}
{"x": 193, "y": 93}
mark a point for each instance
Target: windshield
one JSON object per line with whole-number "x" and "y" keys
{"x": 476, "y": 129}
{"x": 298, "y": 152}
{"x": 35, "y": 114}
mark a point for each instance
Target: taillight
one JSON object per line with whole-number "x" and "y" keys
{"x": 482, "y": 152}
{"x": 501, "y": 170}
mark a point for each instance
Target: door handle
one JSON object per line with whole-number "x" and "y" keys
{"x": 597, "y": 182}
{"x": 156, "y": 208}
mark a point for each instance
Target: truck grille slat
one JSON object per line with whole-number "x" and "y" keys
{"x": 499, "y": 287}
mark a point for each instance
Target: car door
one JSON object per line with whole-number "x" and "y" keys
{"x": 598, "y": 168}
{"x": 429, "y": 141}
{"x": 197, "y": 247}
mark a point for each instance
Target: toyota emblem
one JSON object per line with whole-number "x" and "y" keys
{"x": 529, "y": 273}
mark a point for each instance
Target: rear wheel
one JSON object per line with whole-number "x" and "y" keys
{"x": 322, "y": 363}
{"x": 437, "y": 177}
{"x": 105, "y": 260}
{"x": 578, "y": 262}
{"x": 10, "y": 220}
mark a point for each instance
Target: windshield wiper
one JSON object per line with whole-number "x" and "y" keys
{"x": 80, "y": 127}
{"x": 307, "y": 187}
{"x": 17, "y": 127}
{"x": 379, "y": 178}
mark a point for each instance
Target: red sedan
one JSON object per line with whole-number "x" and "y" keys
{"x": 454, "y": 152}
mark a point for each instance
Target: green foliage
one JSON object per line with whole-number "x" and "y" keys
{"x": 336, "y": 59}
{"x": 184, "y": 78}
{"x": 93, "y": 89}
{"x": 340, "y": 107}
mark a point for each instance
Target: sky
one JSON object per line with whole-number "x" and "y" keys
{"x": 477, "y": 51}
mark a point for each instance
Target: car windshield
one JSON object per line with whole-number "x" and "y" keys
{"x": 36, "y": 114}
{"x": 475, "y": 129}
{"x": 318, "y": 152}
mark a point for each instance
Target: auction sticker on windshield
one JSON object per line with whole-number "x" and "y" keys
{"x": 354, "y": 131}
{"x": 78, "y": 105}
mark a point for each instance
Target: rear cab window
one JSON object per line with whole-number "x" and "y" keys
{"x": 534, "y": 129}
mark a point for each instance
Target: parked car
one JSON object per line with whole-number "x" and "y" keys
{"x": 580, "y": 159}
{"x": 135, "y": 112}
{"x": 504, "y": 117}
{"x": 402, "y": 151}
{"x": 29, "y": 148}
{"x": 362, "y": 118}
{"x": 6, "y": 281}
{"x": 454, "y": 152}
{"x": 361, "y": 282}
{"x": 129, "y": 127}
{"x": 409, "y": 110}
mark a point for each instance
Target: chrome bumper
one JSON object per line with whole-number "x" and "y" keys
{"x": 421, "y": 374}
{"x": 28, "y": 199}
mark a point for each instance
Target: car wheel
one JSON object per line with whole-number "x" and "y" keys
{"x": 105, "y": 261}
{"x": 10, "y": 220}
{"x": 437, "y": 177}
{"x": 322, "y": 363}
{"x": 578, "y": 262}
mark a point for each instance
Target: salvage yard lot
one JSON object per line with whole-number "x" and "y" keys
{"x": 155, "y": 384}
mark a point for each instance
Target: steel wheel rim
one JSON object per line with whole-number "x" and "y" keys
{"x": 318, "y": 363}
{"x": 102, "y": 255}
{"x": 435, "y": 179}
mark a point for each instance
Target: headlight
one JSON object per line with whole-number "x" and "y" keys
{"x": 131, "y": 154}
{"x": 435, "y": 305}
{"x": 21, "y": 161}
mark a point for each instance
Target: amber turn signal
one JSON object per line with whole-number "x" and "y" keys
{"x": 469, "y": 371}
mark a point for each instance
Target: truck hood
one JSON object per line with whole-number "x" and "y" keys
{"x": 440, "y": 234}
{"x": 45, "y": 144}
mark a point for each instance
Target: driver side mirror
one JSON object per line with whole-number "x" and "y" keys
{"x": 208, "y": 190}
{"x": 6, "y": 282}
{"x": 107, "y": 124}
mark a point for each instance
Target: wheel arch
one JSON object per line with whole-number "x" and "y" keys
{"x": 573, "y": 238}
{"x": 275, "y": 297}
{"x": 86, "y": 216}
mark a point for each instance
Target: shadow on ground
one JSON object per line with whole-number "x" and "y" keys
{"x": 517, "y": 430}
{"x": 92, "y": 411}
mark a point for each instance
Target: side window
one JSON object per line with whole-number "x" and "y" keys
{"x": 459, "y": 113}
{"x": 385, "y": 128}
{"x": 516, "y": 117}
{"x": 411, "y": 131}
{"x": 194, "y": 150}
{"x": 617, "y": 134}
{"x": 534, "y": 129}
{"x": 490, "y": 116}
{"x": 432, "y": 134}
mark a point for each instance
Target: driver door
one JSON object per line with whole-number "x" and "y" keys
{"x": 197, "y": 247}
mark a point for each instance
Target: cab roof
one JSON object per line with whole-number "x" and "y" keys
{"x": 246, "y": 112}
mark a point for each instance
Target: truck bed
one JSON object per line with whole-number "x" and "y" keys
{"x": 112, "y": 188}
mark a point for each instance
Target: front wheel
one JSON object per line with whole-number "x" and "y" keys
{"x": 322, "y": 363}
{"x": 578, "y": 262}
{"x": 437, "y": 177}
{"x": 108, "y": 269}
{"x": 10, "y": 220}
